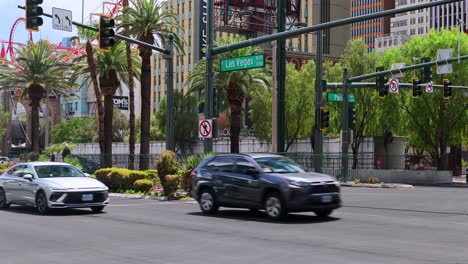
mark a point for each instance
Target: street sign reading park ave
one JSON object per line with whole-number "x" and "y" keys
{"x": 243, "y": 63}
{"x": 337, "y": 97}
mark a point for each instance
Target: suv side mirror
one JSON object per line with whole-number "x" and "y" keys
{"x": 252, "y": 172}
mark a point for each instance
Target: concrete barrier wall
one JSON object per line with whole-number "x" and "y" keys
{"x": 404, "y": 176}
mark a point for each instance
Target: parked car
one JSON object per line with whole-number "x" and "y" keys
{"x": 4, "y": 160}
{"x": 50, "y": 185}
{"x": 263, "y": 181}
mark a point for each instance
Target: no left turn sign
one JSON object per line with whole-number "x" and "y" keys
{"x": 205, "y": 128}
{"x": 393, "y": 85}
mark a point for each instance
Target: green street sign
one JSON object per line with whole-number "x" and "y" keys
{"x": 337, "y": 97}
{"x": 243, "y": 63}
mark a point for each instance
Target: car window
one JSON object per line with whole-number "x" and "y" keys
{"x": 56, "y": 171}
{"x": 16, "y": 171}
{"x": 279, "y": 165}
{"x": 222, "y": 164}
{"x": 243, "y": 165}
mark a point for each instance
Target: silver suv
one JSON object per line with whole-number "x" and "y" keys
{"x": 263, "y": 181}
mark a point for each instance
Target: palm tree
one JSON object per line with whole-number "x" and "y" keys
{"x": 144, "y": 19}
{"x": 111, "y": 67}
{"x": 37, "y": 68}
{"x": 89, "y": 35}
{"x": 131, "y": 95}
{"x": 235, "y": 84}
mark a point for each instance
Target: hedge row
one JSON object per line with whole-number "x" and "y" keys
{"x": 124, "y": 179}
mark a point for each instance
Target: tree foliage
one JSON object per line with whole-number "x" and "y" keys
{"x": 185, "y": 122}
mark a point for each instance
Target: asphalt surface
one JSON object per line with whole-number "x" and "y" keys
{"x": 420, "y": 225}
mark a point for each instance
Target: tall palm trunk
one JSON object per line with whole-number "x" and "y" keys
{"x": 131, "y": 93}
{"x": 35, "y": 93}
{"x": 145, "y": 55}
{"x": 235, "y": 96}
{"x": 108, "y": 87}
{"x": 97, "y": 92}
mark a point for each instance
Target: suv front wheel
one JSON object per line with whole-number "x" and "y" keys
{"x": 207, "y": 201}
{"x": 274, "y": 206}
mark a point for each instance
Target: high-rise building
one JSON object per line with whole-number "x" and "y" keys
{"x": 408, "y": 25}
{"x": 249, "y": 18}
{"x": 370, "y": 29}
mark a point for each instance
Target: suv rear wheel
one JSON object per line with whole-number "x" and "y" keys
{"x": 207, "y": 201}
{"x": 274, "y": 206}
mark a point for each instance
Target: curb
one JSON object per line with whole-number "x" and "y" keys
{"x": 379, "y": 185}
{"x": 151, "y": 197}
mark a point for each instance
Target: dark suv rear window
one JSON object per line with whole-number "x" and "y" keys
{"x": 223, "y": 164}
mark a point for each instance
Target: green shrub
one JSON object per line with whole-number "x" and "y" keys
{"x": 143, "y": 185}
{"x": 167, "y": 165}
{"x": 153, "y": 175}
{"x": 189, "y": 164}
{"x": 73, "y": 161}
{"x": 3, "y": 166}
{"x": 102, "y": 175}
{"x": 171, "y": 185}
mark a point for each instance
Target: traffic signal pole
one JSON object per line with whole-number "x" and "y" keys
{"x": 345, "y": 140}
{"x": 208, "y": 143}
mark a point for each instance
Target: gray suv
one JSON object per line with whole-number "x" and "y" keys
{"x": 263, "y": 181}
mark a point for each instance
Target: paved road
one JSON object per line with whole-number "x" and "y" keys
{"x": 421, "y": 225}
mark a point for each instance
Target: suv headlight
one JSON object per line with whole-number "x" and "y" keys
{"x": 294, "y": 183}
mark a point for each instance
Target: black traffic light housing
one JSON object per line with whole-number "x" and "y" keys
{"x": 426, "y": 73}
{"x": 33, "y": 13}
{"x": 417, "y": 89}
{"x": 351, "y": 116}
{"x": 324, "y": 118}
{"x": 446, "y": 89}
{"x": 380, "y": 82}
{"x": 106, "y": 32}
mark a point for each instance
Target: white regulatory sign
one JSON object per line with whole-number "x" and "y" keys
{"x": 429, "y": 87}
{"x": 62, "y": 19}
{"x": 205, "y": 128}
{"x": 443, "y": 55}
{"x": 393, "y": 85}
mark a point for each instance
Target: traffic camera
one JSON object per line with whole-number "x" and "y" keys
{"x": 106, "y": 32}
{"x": 33, "y": 13}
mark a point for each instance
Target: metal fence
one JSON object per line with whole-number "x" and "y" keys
{"x": 331, "y": 163}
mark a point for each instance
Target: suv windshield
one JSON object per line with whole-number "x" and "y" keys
{"x": 279, "y": 165}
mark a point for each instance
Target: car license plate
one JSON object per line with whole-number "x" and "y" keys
{"x": 87, "y": 197}
{"x": 327, "y": 199}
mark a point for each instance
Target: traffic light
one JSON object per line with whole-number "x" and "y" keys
{"x": 380, "y": 82}
{"x": 447, "y": 89}
{"x": 33, "y": 13}
{"x": 417, "y": 89}
{"x": 351, "y": 116}
{"x": 426, "y": 73}
{"x": 106, "y": 32}
{"x": 324, "y": 118}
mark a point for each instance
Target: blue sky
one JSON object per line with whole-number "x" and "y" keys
{"x": 10, "y": 13}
